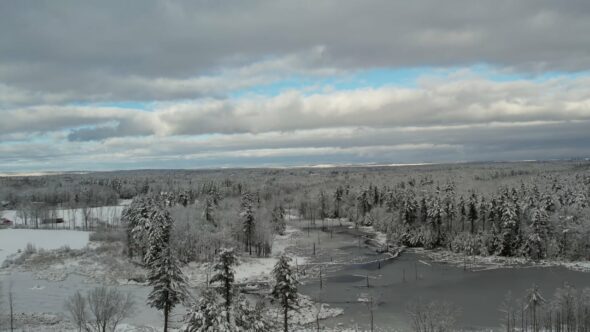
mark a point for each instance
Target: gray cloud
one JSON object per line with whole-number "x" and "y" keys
{"x": 113, "y": 50}
{"x": 386, "y": 145}
{"x": 449, "y": 102}
{"x": 185, "y": 58}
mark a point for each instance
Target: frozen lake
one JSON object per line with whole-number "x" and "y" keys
{"x": 12, "y": 240}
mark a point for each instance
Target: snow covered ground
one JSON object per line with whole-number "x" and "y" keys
{"x": 251, "y": 269}
{"x": 13, "y": 240}
{"x": 75, "y": 217}
{"x": 83, "y": 266}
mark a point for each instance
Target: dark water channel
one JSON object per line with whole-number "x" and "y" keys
{"x": 411, "y": 276}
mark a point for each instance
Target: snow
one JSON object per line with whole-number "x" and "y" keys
{"x": 255, "y": 269}
{"x": 307, "y": 312}
{"x": 480, "y": 263}
{"x": 13, "y": 240}
{"x": 250, "y": 269}
{"x": 75, "y": 217}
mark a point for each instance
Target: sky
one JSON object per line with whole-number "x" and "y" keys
{"x": 137, "y": 84}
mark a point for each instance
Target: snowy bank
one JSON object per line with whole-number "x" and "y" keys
{"x": 15, "y": 240}
{"x": 497, "y": 262}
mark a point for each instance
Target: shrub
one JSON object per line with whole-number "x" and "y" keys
{"x": 108, "y": 235}
{"x": 30, "y": 249}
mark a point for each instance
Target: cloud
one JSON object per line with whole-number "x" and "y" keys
{"x": 462, "y": 101}
{"x": 202, "y": 68}
{"x": 496, "y": 141}
{"x": 157, "y": 50}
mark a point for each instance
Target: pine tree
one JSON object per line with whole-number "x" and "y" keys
{"x": 463, "y": 212}
{"x": 483, "y": 213}
{"x": 535, "y": 244}
{"x": 472, "y": 212}
{"x": 209, "y": 209}
{"x": 249, "y": 225}
{"x": 136, "y": 218}
{"x": 409, "y": 208}
{"x": 423, "y": 210}
{"x": 207, "y": 315}
{"x": 435, "y": 216}
{"x": 337, "y": 201}
{"x": 251, "y": 319}
{"x": 224, "y": 274}
{"x": 533, "y": 301}
{"x": 363, "y": 202}
{"x": 248, "y": 220}
{"x": 158, "y": 229}
{"x": 167, "y": 280}
{"x": 323, "y": 201}
{"x": 278, "y": 220}
{"x": 509, "y": 235}
{"x": 285, "y": 288}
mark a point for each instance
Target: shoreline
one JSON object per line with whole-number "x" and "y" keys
{"x": 482, "y": 263}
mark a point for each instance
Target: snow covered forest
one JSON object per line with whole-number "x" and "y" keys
{"x": 226, "y": 250}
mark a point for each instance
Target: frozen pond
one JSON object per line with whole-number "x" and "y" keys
{"x": 412, "y": 276}
{"x": 12, "y": 240}
{"x": 73, "y": 218}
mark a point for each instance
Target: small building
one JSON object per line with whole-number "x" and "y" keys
{"x": 6, "y": 222}
{"x": 52, "y": 221}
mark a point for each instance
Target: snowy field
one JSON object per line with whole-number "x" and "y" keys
{"x": 12, "y": 240}
{"x": 75, "y": 218}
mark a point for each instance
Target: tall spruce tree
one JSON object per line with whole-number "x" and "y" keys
{"x": 472, "y": 212}
{"x": 224, "y": 275}
{"x": 136, "y": 217}
{"x": 168, "y": 282}
{"x": 285, "y": 288}
{"x": 248, "y": 221}
{"x": 535, "y": 243}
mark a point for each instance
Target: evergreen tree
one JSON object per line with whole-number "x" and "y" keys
{"x": 363, "y": 202}
{"x": 158, "y": 229}
{"x": 509, "y": 235}
{"x": 278, "y": 220}
{"x": 167, "y": 280}
{"x": 251, "y": 319}
{"x": 535, "y": 244}
{"x": 449, "y": 202}
{"x": 483, "y": 211}
{"x": 472, "y": 212}
{"x": 248, "y": 226}
{"x": 224, "y": 275}
{"x": 423, "y": 211}
{"x": 463, "y": 212}
{"x": 285, "y": 288}
{"x": 338, "y": 196}
{"x": 210, "y": 209}
{"x": 136, "y": 217}
{"x": 533, "y": 301}
{"x": 435, "y": 216}
{"x": 207, "y": 315}
{"x": 409, "y": 208}
{"x": 323, "y": 202}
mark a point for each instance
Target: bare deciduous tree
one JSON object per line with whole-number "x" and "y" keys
{"x": 101, "y": 310}
{"x": 76, "y": 306}
{"x": 1, "y": 307}
{"x": 434, "y": 316}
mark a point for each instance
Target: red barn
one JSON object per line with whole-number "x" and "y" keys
{"x": 6, "y": 222}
